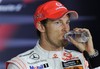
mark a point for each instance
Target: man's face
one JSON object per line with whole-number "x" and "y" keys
{"x": 55, "y": 30}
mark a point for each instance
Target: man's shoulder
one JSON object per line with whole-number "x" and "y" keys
{"x": 26, "y": 53}
{"x": 24, "y": 57}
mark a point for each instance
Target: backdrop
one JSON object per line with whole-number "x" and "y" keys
{"x": 18, "y": 34}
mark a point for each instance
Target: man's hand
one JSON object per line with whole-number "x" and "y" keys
{"x": 88, "y": 46}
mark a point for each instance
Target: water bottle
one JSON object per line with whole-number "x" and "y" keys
{"x": 78, "y": 36}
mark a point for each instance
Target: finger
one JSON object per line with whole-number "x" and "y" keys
{"x": 77, "y": 29}
{"x": 80, "y": 46}
{"x": 73, "y": 41}
{"x": 87, "y": 30}
{"x": 83, "y": 30}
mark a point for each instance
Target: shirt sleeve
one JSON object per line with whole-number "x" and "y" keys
{"x": 95, "y": 62}
{"x": 13, "y": 66}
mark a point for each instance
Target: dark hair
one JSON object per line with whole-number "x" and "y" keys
{"x": 43, "y": 22}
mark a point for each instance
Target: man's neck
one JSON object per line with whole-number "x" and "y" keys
{"x": 47, "y": 46}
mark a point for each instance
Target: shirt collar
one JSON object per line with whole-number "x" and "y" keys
{"x": 48, "y": 54}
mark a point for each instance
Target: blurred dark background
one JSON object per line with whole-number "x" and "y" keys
{"x": 18, "y": 34}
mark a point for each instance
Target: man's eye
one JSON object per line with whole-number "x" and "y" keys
{"x": 68, "y": 22}
{"x": 58, "y": 22}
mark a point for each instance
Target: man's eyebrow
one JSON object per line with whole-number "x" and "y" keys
{"x": 53, "y": 20}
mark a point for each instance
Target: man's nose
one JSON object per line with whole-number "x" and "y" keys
{"x": 66, "y": 27}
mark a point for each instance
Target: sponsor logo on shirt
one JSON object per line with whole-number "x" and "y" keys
{"x": 66, "y": 56}
{"x": 38, "y": 61}
{"x": 43, "y": 66}
{"x": 75, "y": 67}
{"x": 34, "y": 56}
{"x": 55, "y": 56}
{"x": 72, "y": 64}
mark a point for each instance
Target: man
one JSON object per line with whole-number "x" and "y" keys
{"x": 52, "y": 21}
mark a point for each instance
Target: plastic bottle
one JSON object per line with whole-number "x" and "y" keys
{"x": 78, "y": 36}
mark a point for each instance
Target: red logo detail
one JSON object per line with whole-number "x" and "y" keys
{"x": 67, "y": 56}
{"x": 55, "y": 56}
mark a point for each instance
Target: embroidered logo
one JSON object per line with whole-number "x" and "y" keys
{"x": 55, "y": 56}
{"x": 34, "y": 56}
{"x": 67, "y": 56}
{"x": 59, "y": 6}
{"x": 40, "y": 66}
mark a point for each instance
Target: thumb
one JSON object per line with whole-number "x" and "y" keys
{"x": 80, "y": 46}
{"x": 72, "y": 41}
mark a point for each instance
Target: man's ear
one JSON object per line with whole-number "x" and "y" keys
{"x": 40, "y": 27}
